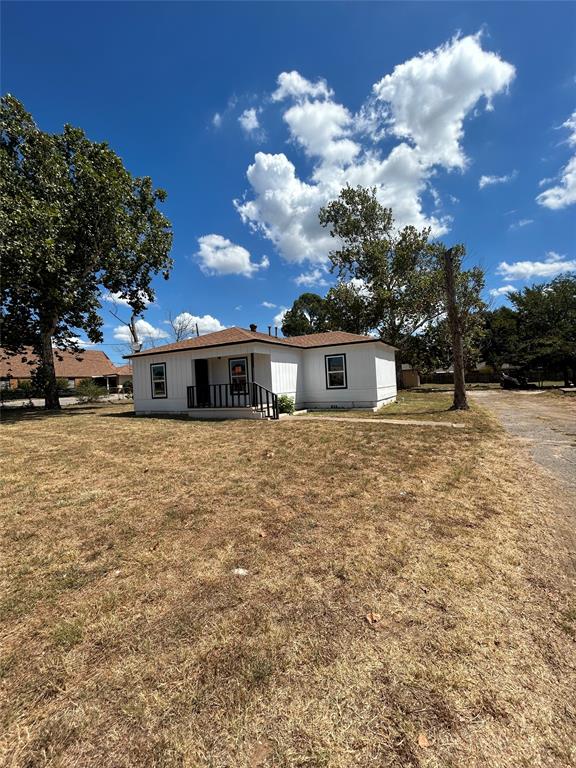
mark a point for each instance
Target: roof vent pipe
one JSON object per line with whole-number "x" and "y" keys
{"x": 253, "y": 327}
{"x": 269, "y": 330}
{"x": 275, "y": 330}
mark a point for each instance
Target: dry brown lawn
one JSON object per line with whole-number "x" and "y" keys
{"x": 127, "y": 640}
{"x": 427, "y": 406}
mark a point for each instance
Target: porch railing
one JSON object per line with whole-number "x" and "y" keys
{"x": 253, "y": 395}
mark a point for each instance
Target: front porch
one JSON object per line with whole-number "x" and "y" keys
{"x": 224, "y": 385}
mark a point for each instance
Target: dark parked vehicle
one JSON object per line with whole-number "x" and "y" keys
{"x": 514, "y": 382}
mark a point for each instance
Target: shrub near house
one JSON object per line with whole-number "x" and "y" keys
{"x": 88, "y": 391}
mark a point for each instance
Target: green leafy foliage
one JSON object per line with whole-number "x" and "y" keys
{"x": 307, "y": 315}
{"x": 390, "y": 281}
{"x": 62, "y": 384}
{"x": 431, "y": 350}
{"x": 396, "y": 270}
{"x": 88, "y": 391}
{"x": 501, "y": 341}
{"x": 344, "y": 308}
{"x": 73, "y": 223}
{"x": 286, "y": 404}
{"x": 539, "y": 331}
{"x": 392, "y": 277}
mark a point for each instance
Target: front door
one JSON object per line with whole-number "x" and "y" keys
{"x": 202, "y": 384}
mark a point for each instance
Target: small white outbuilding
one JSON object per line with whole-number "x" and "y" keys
{"x": 239, "y": 373}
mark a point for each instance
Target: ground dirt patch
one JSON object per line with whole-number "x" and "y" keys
{"x": 408, "y": 597}
{"x": 545, "y": 421}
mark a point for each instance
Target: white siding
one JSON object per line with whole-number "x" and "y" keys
{"x": 180, "y": 374}
{"x": 361, "y": 390}
{"x": 286, "y": 371}
{"x": 178, "y": 377}
{"x": 385, "y": 374}
{"x": 218, "y": 370}
{"x": 300, "y": 373}
{"x": 263, "y": 370}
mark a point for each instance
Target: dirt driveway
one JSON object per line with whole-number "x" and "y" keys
{"x": 545, "y": 422}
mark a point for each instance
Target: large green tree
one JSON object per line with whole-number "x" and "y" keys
{"x": 501, "y": 342}
{"x": 400, "y": 277}
{"x": 344, "y": 308}
{"x": 307, "y": 315}
{"x": 398, "y": 268}
{"x": 73, "y": 224}
{"x": 547, "y": 325}
{"x": 538, "y": 331}
{"x": 432, "y": 349}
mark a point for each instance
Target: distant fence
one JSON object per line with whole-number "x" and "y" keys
{"x": 472, "y": 377}
{"x": 491, "y": 377}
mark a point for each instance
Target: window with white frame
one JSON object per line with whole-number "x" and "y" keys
{"x": 158, "y": 377}
{"x": 336, "y": 377}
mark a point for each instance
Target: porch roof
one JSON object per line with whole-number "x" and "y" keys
{"x": 236, "y": 335}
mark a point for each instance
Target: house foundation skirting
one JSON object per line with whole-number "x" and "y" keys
{"x": 207, "y": 413}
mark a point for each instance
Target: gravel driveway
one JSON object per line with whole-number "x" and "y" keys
{"x": 545, "y": 422}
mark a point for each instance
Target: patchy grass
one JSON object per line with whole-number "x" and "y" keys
{"x": 421, "y": 406}
{"x": 128, "y": 640}
{"x": 427, "y": 405}
{"x": 450, "y": 387}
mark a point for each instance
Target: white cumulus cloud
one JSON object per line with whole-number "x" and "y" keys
{"x": 249, "y": 121}
{"x": 279, "y": 317}
{"x": 204, "y": 323}
{"x": 570, "y": 124}
{"x": 423, "y": 103}
{"x": 293, "y": 85}
{"x": 552, "y": 265}
{"x": 146, "y": 332}
{"x": 321, "y": 128}
{"x": 564, "y": 193}
{"x": 313, "y": 277}
{"x": 489, "y": 181}
{"x": 430, "y": 96}
{"x": 504, "y": 290}
{"x": 219, "y": 256}
{"x": 268, "y": 305}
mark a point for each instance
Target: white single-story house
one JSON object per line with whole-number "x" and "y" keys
{"x": 239, "y": 373}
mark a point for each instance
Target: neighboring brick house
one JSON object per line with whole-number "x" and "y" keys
{"x": 89, "y": 364}
{"x": 124, "y": 373}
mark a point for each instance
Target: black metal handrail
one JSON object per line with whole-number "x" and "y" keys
{"x": 252, "y": 395}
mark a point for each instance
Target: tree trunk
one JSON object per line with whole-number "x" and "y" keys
{"x": 460, "y": 402}
{"x": 398, "y": 364}
{"x": 51, "y": 399}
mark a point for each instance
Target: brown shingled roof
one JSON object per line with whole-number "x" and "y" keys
{"x": 87, "y": 364}
{"x": 236, "y": 335}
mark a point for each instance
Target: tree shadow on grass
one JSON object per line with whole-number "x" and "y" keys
{"x": 20, "y": 414}
{"x": 121, "y": 415}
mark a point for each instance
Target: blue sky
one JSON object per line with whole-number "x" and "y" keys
{"x": 252, "y": 115}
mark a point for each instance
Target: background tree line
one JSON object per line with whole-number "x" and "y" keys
{"x": 537, "y": 332}
{"x": 392, "y": 282}
{"x": 75, "y": 224}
